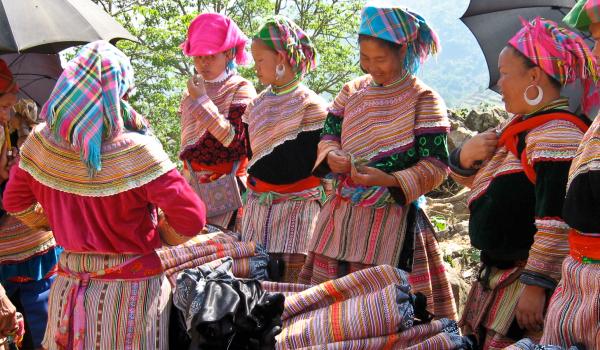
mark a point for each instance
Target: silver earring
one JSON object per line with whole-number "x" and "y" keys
{"x": 279, "y": 71}
{"x": 536, "y": 101}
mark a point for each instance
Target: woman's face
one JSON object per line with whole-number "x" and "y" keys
{"x": 514, "y": 80}
{"x": 381, "y": 62}
{"x": 265, "y": 62}
{"x": 7, "y": 101}
{"x": 211, "y": 66}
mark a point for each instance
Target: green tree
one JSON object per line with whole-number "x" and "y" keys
{"x": 162, "y": 70}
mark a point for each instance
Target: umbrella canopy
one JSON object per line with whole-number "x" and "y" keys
{"x": 36, "y": 74}
{"x": 494, "y": 22}
{"x": 49, "y": 26}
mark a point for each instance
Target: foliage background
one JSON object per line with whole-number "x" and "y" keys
{"x": 162, "y": 70}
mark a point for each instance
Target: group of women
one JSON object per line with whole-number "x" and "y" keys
{"x": 95, "y": 174}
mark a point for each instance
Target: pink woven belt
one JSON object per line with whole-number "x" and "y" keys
{"x": 71, "y": 332}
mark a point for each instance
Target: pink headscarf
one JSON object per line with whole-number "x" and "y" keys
{"x": 560, "y": 53}
{"x": 212, "y": 33}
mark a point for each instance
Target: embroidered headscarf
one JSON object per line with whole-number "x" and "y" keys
{"x": 7, "y": 81}
{"x": 584, "y": 13}
{"x": 402, "y": 27}
{"x": 212, "y": 33}
{"x": 87, "y": 106}
{"x": 561, "y": 54}
{"x": 283, "y": 35}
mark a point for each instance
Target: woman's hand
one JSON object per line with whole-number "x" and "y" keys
{"x": 479, "y": 148}
{"x": 8, "y": 315}
{"x": 6, "y": 162}
{"x": 530, "y": 309}
{"x": 368, "y": 176}
{"x": 196, "y": 87}
{"x": 338, "y": 161}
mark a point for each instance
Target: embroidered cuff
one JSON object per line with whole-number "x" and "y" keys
{"x": 33, "y": 217}
{"x": 531, "y": 278}
{"x": 454, "y": 162}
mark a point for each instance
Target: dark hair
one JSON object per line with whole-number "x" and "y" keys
{"x": 390, "y": 45}
{"x": 529, "y": 64}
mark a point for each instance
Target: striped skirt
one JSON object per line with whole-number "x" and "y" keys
{"x": 362, "y": 310}
{"x": 284, "y": 228}
{"x": 490, "y": 310}
{"x": 428, "y": 274}
{"x": 132, "y": 314}
{"x": 573, "y": 316}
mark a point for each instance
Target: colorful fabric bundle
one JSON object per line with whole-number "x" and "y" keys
{"x": 560, "y": 53}
{"x": 401, "y": 27}
{"x": 212, "y": 33}
{"x": 7, "y": 81}
{"x": 584, "y": 13}
{"x": 87, "y": 105}
{"x": 331, "y": 315}
{"x": 283, "y": 35}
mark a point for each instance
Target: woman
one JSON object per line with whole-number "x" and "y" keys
{"x": 94, "y": 174}
{"x": 28, "y": 257}
{"x": 284, "y": 123}
{"x": 385, "y": 140}
{"x": 517, "y": 194}
{"x": 573, "y": 316}
{"x": 214, "y": 140}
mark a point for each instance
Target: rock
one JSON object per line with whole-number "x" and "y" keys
{"x": 482, "y": 121}
{"x": 457, "y": 136}
{"x": 460, "y": 289}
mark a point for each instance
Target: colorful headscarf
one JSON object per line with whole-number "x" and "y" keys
{"x": 400, "y": 26}
{"x": 283, "y": 35}
{"x": 584, "y": 13}
{"x": 560, "y": 53}
{"x": 7, "y": 81}
{"x": 87, "y": 106}
{"x": 212, "y": 33}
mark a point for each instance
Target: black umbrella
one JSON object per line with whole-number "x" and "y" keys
{"x": 494, "y": 22}
{"x": 49, "y": 26}
{"x": 35, "y": 73}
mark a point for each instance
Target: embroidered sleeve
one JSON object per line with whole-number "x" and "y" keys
{"x": 431, "y": 130}
{"x": 550, "y": 148}
{"x": 464, "y": 177}
{"x": 33, "y": 217}
{"x": 19, "y": 200}
{"x": 330, "y": 141}
{"x": 208, "y": 116}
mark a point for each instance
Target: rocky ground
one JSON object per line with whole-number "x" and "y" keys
{"x": 447, "y": 206}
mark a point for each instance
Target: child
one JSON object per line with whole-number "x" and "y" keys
{"x": 284, "y": 123}
{"x": 214, "y": 140}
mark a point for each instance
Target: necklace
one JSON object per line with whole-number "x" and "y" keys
{"x": 286, "y": 88}
{"x": 394, "y": 83}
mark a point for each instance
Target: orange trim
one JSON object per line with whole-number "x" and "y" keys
{"x": 299, "y": 186}
{"x": 221, "y": 168}
{"x": 391, "y": 341}
{"x": 582, "y": 246}
{"x": 510, "y": 136}
{"x": 336, "y": 324}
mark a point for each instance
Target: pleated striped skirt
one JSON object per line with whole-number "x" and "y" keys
{"x": 120, "y": 314}
{"x": 573, "y": 316}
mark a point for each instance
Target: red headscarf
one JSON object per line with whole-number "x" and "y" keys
{"x": 7, "y": 82}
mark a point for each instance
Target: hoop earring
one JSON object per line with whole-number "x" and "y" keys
{"x": 536, "y": 101}
{"x": 279, "y": 71}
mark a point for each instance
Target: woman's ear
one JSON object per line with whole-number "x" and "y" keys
{"x": 281, "y": 59}
{"x": 535, "y": 75}
{"x": 229, "y": 55}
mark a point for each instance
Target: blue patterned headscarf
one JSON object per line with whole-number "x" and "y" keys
{"x": 402, "y": 27}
